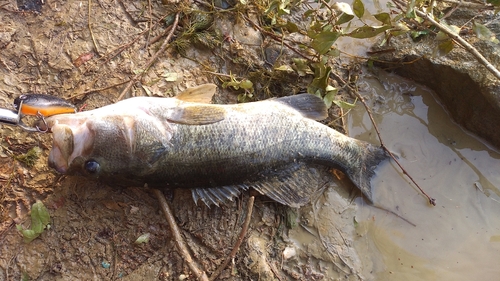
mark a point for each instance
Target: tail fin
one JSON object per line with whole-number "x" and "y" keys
{"x": 371, "y": 156}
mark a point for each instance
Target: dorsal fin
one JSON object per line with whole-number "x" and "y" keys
{"x": 310, "y": 106}
{"x": 201, "y": 94}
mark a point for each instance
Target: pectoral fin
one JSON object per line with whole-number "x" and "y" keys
{"x": 198, "y": 114}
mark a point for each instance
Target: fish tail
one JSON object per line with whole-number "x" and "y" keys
{"x": 370, "y": 157}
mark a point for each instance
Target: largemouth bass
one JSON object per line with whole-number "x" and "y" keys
{"x": 274, "y": 146}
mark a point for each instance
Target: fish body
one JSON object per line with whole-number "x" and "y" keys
{"x": 274, "y": 146}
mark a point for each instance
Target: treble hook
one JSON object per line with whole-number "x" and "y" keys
{"x": 41, "y": 117}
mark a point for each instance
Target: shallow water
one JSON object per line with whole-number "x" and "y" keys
{"x": 459, "y": 238}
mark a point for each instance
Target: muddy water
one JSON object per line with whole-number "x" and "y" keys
{"x": 459, "y": 239}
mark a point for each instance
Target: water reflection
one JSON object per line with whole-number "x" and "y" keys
{"x": 459, "y": 238}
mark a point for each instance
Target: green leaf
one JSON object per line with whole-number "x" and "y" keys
{"x": 147, "y": 90}
{"x": 345, "y": 11}
{"x": 417, "y": 34}
{"x": 493, "y": 2}
{"x": 320, "y": 81}
{"x": 284, "y": 67}
{"x": 330, "y": 95}
{"x": 170, "y": 76}
{"x": 291, "y": 27}
{"x": 314, "y": 29}
{"x": 402, "y": 26}
{"x": 244, "y": 97}
{"x": 324, "y": 41}
{"x": 246, "y": 84}
{"x": 384, "y": 18}
{"x": 410, "y": 12}
{"x": 143, "y": 238}
{"x": 29, "y": 235}
{"x": 358, "y": 8}
{"x": 343, "y": 104}
{"x": 344, "y": 18}
{"x": 39, "y": 217}
{"x": 308, "y": 13}
{"x": 370, "y": 63}
{"x": 441, "y": 36}
{"x": 333, "y": 53}
{"x": 445, "y": 47}
{"x": 301, "y": 66}
{"x": 483, "y": 33}
{"x": 234, "y": 84}
{"x": 367, "y": 31}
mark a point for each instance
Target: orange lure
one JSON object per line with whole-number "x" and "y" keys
{"x": 40, "y": 104}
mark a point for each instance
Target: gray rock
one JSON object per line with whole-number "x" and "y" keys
{"x": 467, "y": 89}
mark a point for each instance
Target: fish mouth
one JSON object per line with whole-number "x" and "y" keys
{"x": 70, "y": 140}
{"x": 62, "y": 147}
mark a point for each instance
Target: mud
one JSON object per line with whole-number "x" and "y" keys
{"x": 94, "y": 227}
{"x": 86, "y": 60}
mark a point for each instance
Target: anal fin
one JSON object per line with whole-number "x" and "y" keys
{"x": 294, "y": 185}
{"x": 217, "y": 195}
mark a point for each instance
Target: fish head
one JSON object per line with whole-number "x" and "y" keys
{"x": 91, "y": 147}
{"x": 123, "y": 141}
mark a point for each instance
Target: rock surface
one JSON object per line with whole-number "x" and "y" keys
{"x": 467, "y": 89}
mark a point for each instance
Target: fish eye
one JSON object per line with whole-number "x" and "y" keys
{"x": 92, "y": 167}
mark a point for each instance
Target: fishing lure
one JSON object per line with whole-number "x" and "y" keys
{"x": 39, "y": 105}
{"x": 12, "y": 117}
{"x": 42, "y": 105}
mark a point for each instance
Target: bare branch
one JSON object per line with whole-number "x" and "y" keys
{"x": 153, "y": 59}
{"x": 179, "y": 241}
{"x": 238, "y": 242}
{"x": 431, "y": 200}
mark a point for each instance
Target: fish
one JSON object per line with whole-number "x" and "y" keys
{"x": 42, "y": 104}
{"x": 275, "y": 146}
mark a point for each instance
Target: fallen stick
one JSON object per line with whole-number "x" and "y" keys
{"x": 179, "y": 241}
{"x": 162, "y": 49}
{"x": 431, "y": 200}
{"x": 462, "y": 43}
{"x": 238, "y": 242}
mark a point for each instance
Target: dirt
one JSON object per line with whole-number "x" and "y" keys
{"x": 93, "y": 226}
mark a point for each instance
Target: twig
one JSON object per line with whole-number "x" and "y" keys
{"x": 273, "y": 268}
{"x": 179, "y": 242}
{"x": 455, "y": 37}
{"x": 462, "y": 42}
{"x": 470, "y": 5}
{"x": 153, "y": 59}
{"x": 110, "y": 55}
{"x": 238, "y": 242}
{"x": 90, "y": 29}
{"x": 277, "y": 38}
{"x": 98, "y": 90}
{"x": 431, "y": 200}
{"x": 394, "y": 213}
{"x": 150, "y": 24}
